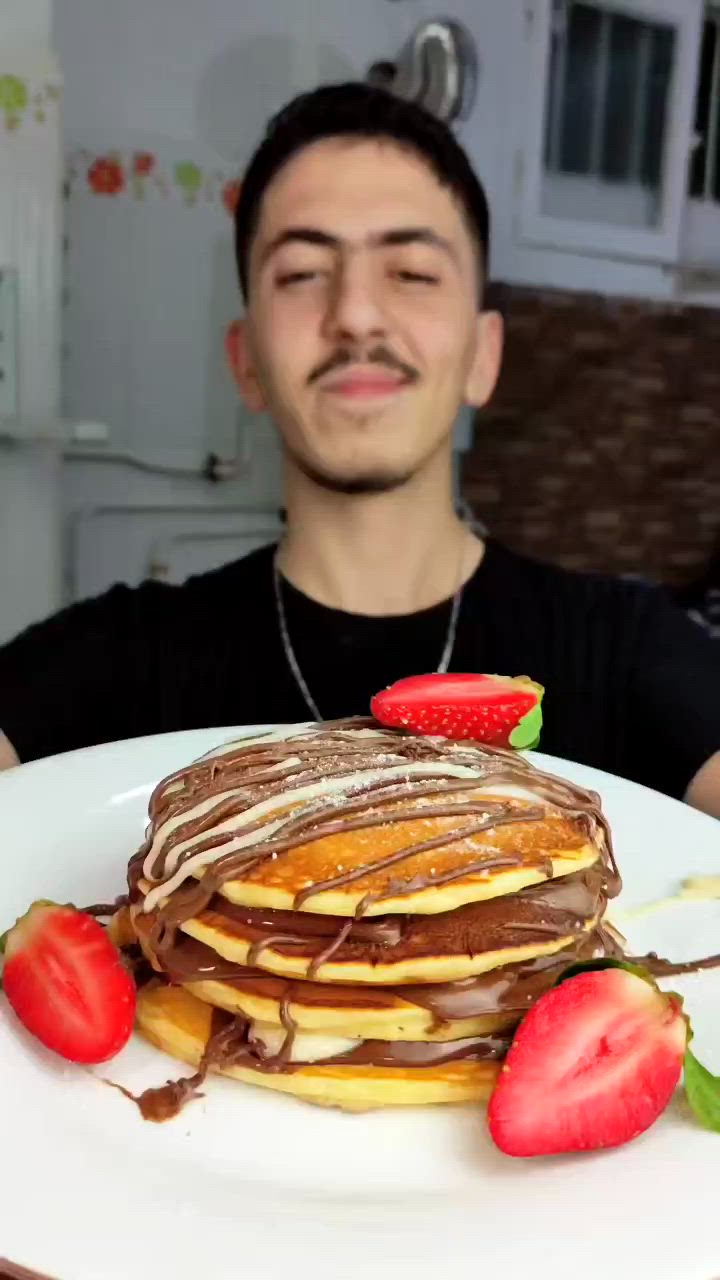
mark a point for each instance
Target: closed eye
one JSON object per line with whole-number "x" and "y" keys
{"x": 417, "y": 277}
{"x": 295, "y": 277}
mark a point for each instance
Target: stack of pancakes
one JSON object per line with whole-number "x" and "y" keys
{"x": 361, "y": 917}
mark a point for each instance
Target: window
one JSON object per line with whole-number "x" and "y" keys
{"x": 612, "y": 102}
{"x": 606, "y": 121}
{"x": 701, "y": 225}
{"x": 705, "y": 168}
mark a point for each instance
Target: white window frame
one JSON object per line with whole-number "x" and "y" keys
{"x": 660, "y": 244}
{"x": 701, "y": 230}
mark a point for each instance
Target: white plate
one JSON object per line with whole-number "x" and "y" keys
{"x": 248, "y": 1183}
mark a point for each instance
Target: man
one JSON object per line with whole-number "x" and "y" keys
{"x": 362, "y": 243}
{"x": 701, "y": 599}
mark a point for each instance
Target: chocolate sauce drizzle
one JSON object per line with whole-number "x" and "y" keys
{"x": 232, "y": 1042}
{"x": 227, "y": 786}
{"x": 509, "y": 990}
{"x": 331, "y": 949}
{"x": 104, "y": 910}
{"x": 12, "y": 1271}
{"x": 668, "y": 968}
{"x": 550, "y": 911}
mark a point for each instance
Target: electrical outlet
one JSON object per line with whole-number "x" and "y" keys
{"x": 9, "y": 399}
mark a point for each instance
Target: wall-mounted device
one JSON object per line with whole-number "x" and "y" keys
{"x": 437, "y": 67}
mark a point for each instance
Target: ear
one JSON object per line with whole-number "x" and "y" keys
{"x": 242, "y": 366}
{"x": 485, "y": 368}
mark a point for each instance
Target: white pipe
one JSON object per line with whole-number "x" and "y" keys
{"x": 72, "y": 454}
{"x": 213, "y": 468}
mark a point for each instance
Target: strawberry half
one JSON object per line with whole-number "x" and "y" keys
{"x": 67, "y": 984}
{"x": 593, "y": 1065}
{"x": 502, "y": 711}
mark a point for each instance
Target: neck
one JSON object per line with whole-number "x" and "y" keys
{"x": 377, "y": 554}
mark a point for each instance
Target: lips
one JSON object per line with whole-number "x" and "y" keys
{"x": 362, "y": 384}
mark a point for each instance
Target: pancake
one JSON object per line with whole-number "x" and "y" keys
{"x": 356, "y": 821}
{"x": 358, "y": 916}
{"x": 186, "y": 1028}
{"x": 446, "y": 947}
{"x": 481, "y": 1005}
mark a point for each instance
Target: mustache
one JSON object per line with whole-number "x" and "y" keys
{"x": 376, "y": 355}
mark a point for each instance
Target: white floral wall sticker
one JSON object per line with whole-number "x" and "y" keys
{"x": 142, "y": 174}
{"x": 21, "y": 101}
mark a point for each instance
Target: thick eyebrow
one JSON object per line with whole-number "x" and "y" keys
{"x": 300, "y": 235}
{"x": 416, "y": 235}
{"x": 381, "y": 239}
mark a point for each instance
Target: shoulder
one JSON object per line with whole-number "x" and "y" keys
{"x": 123, "y": 611}
{"x": 234, "y": 581}
{"x": 625, "y": 621}
{"x": 189, "y": 606}
{"x": 250, "y": 574}
{"x": 626, "y": 616}
{"x": 523, "y": 578}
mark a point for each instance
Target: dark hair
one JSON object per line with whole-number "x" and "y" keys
{"x": 361, "y": 111}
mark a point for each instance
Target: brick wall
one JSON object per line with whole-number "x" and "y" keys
{"x": 601, "y": 448}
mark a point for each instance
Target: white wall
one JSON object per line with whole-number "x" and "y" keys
{"x": 151, "y": 282}
{"x": 29, "y": 535}
{"x": 30, "y": 223}
{"x": 25, "y": 23}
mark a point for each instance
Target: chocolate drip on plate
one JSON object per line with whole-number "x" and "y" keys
{"x": 168, "y": 1100}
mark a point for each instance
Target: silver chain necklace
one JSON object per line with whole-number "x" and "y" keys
{"x": 295, "y": 666}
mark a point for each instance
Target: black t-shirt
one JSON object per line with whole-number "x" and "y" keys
{"x": 632, "y": 685}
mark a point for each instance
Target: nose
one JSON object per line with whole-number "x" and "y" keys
{"x": 355, "y": 311}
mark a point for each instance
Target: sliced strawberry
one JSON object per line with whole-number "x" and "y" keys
{"x": 67, "y": 984}
{"x": 593, "y": 1065}
{"x": 502, "y": 711}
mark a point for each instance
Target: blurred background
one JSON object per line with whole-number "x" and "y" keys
{"x": 124, "y": 452}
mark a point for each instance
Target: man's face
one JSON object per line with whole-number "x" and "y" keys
{"x": 363, "y": 336}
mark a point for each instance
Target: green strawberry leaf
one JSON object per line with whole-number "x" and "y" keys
{"x": 526, "y": 734}
{"x": 702, "y": 1090}
{"x": 605, "y": 962}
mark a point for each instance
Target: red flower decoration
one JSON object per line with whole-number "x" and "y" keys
{"x": 106, "y": 176}
{"x": 230, "y": 196}
{"x": 143, "y": 164}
